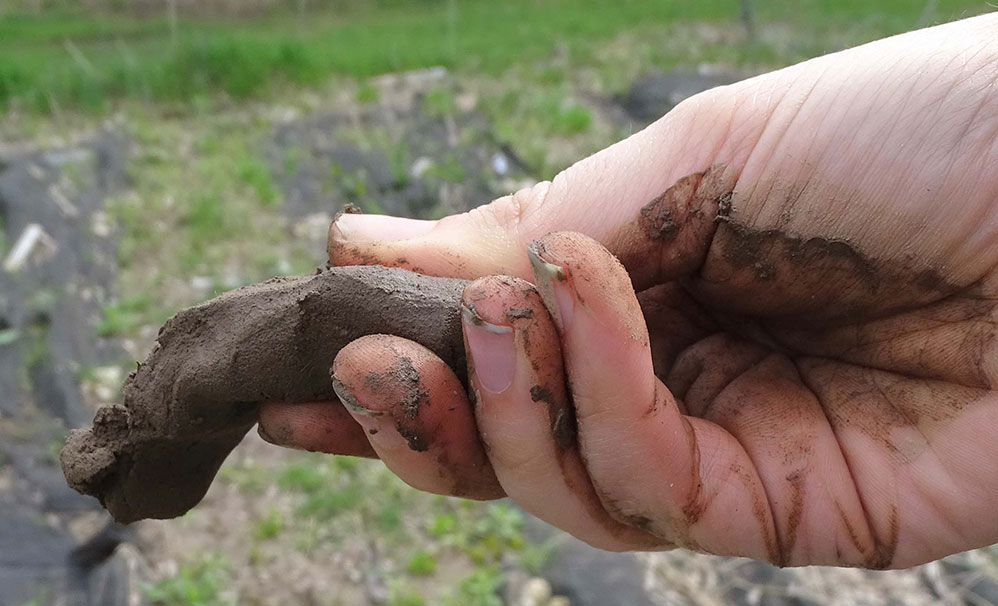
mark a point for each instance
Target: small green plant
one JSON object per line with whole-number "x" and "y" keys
{"x": 367, "y": 93}
{"x": 398, "y": 157}
{"x": 483, "y": 536}
{"x": 331, "y": 502}
{"x": 442, "y": 525}
{"x": 439, "y": 102}
{"x": 389, "y": 516}
{"x": 270, "y": 525}
{"x": 534, "y": 558}
{"x": 422, "y": 563}
{"x": 12, "y": 80}
{"x": 480, "y": 588}
{"x": 572, "y": 120}
{"x": 52, "y": 450}
{"x": 123, "y": 317}
{"x": 305, "y": 477}
{"x": 552, "y": 75}
{"x": 291, "y": 159}
{"x": 504, "y": 522}
{"x": 206, "y": 217}
{"x": 448, "y": 168}
{"x": 399, "y": 595}
{"x": 354, "y": 184}
{"x": 248, "y": 479}
{"x": 349, "y": 466}
{"x": 254, "y": 173}
{"x": 209, "y": 145}
{"x": 197, "y": 583}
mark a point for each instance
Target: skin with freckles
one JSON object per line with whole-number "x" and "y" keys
{"x": 764, "y": 326}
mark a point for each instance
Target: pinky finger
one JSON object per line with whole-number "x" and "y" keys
{"x": 314, "y": 426}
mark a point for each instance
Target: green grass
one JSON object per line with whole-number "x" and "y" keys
{"x": 269, "y": 526}
{"x": 197, "y": 583}
{"x": 572, "y": 120}
{"x": 57, "y": 61}
{"x": 123, "y": 317}
{"x": 447, "y": 168}
{"x": 249, "y": 479}
{"x": 422, "y": 563}
{"x": 439, "y": 102}
{"x": 480, "y": 588}
{"x": 534, "y": 558}
{"x": 402, "y": 596}
{"x": 327, "y": 504}
{"x": 304, "y": 477}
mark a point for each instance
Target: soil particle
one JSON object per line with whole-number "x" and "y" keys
{"x": 517, "y": 313}
{"x": 564, "y": 428}
{"x": 886, "y": 543}
{"x": 415, "y": 397}
{"x": 405, "y": 371}
{"x": 539, "y": 393}
{"x": 725, "y": 206}
{"x": 198, "y": 393}
{"x": 375, "y": 381}
{"x": 658, "y": 221}
{"x": 413, "y": 400}
{"x": 796, "y": 482}
{"x": 413, "y": 438}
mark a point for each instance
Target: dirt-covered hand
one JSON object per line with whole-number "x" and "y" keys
{"x": 794, "y": 358}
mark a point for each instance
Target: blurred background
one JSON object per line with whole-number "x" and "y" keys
{"x": 154, "y": 153}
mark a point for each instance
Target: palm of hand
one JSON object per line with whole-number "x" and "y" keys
{"x": 859, "y": 384}
{"x": 856, "y": 425}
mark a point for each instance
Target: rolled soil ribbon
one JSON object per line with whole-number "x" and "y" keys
{"x": 198, "y": 393}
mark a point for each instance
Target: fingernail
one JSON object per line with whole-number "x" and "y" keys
{"x": 350, "y": 402}
{"x": 491, "y": 349}
{"x": 378, "y": 228}
{"x": 554, "y": 286}
{"x": 381, "y": 429}
{"x": 278, "y": 436}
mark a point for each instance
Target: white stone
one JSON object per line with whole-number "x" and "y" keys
{"x": 535, "y": 592}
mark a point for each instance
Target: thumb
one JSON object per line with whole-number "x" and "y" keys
{"x": 651, "y": 199}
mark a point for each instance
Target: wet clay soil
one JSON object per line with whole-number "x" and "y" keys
{"x": 188, "y": 405}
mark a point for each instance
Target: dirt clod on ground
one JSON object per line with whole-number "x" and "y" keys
{"x": 191, "y": 402}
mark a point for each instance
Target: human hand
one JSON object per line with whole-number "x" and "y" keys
{"x": 793, "y": 360}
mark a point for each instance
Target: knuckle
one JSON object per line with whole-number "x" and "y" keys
{"x": 512, "y": 213}
{"x": 518, "y": 462}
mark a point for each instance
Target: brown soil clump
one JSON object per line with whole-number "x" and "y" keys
{"x": 198, "y": 393}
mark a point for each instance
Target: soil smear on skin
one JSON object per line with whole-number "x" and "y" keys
{"x": 198, "y": 393}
